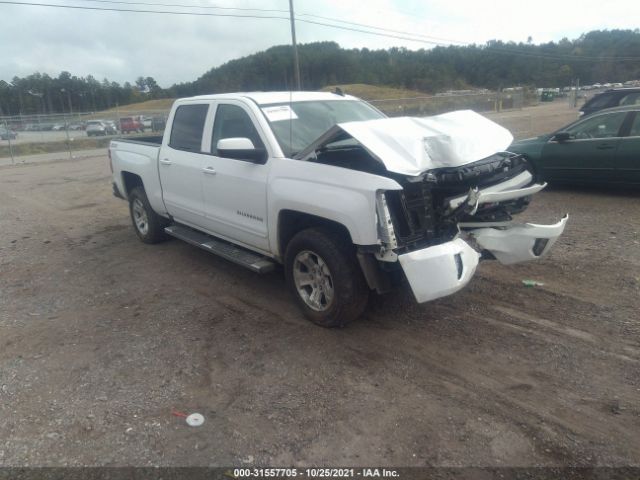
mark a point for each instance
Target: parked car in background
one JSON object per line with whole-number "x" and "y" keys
{"x": 146, "y": 123}
{"x": 7, "y": 134}
{"x": 603, "y": 148}
{"x": 100, "y": 128}
{"x": 158, "y": 124}
{"x": 130, "y": 125}
{"x": 78, "y": 126}
{"x": 615, "y": 97}
{"x": 113, "y": 126}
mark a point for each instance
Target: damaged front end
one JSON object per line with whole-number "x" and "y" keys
{"x": 459, "y": 192}
{"x": 429, "y": 207}
{"x": 445, "y": 221}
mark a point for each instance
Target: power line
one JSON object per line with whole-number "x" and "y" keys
{"x": 439, "y": 41}
{"x": 164, "y": 12}
{"x": 207, "y": 7}
{"x": 398, "y": 35}
{"x": 494, "y": 49}
{"x": 382, "y": 28}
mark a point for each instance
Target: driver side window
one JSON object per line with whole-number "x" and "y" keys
{"x": 599, "y": 126}
{"x": 232, "y": 121}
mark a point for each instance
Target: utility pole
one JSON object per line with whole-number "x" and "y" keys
{"x": 296, "y": 63}
{"x": 64, "y": 90}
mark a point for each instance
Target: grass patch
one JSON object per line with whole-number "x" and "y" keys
{"x": 374, "y": 92}
{"x": 161, "y": 104}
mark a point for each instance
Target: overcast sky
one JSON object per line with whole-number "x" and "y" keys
{"x": 122, "y": 46}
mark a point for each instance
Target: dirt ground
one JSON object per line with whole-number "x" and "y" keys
{"x": 102, "y": 336}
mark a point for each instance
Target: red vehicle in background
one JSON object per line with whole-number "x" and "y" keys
{"x": 130, "y": 125}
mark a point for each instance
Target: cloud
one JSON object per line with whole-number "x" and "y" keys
{"x": 122, "y": 46}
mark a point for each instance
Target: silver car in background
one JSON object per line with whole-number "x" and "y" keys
{"x": 100, "y": 128}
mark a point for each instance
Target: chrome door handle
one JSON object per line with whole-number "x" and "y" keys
{"x": 209, "y": 170}
{"x": 165, "y": 161}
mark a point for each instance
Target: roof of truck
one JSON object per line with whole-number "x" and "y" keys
{"x": 266, "y": 98}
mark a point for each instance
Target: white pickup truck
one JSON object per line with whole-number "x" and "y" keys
{"x": 346, "y": 199}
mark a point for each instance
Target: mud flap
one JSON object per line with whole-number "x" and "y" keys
{"x": 514, "y": 243}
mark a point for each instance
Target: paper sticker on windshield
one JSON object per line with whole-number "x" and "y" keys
{"x": 279, "y": 113}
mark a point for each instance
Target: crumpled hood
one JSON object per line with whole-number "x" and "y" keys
{"x": 413, "y": 145}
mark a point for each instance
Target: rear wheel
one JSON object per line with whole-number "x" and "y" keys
{"x": 325, "y": 278}
{"x": 149, "y": 226}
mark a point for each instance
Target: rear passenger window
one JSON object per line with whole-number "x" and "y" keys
{"x": 188, "y": 125}
{"x": 631, "y": 99}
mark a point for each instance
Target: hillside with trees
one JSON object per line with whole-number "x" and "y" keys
{"x": 593, "y": 57}
{"x": 597, "y": 56}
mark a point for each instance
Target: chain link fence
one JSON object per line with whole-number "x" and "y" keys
{"x": 27, "y": 138}
{"x": 32, "y": 138}
{"x": 432, "y": 105}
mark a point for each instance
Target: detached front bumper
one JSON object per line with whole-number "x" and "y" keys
{"x": 515, "y": 243}
{"x": 441, "y": 270}
{"x": 444, "y": 269}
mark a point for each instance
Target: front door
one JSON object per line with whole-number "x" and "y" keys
{"x": 589, "y": 155}
{"x": 235, "y": 191}
{"x": 628, "y": 154}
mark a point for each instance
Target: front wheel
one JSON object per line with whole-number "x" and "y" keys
{"x": 324, "y": 276}
{"x": 149, "y": 226}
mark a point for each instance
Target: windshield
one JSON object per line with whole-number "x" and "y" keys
{"x": 296, "y": 125}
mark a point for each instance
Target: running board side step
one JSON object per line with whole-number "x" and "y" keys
{"x": 228, "y": 251}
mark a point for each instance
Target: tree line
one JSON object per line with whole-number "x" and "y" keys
{"x": 41, "y": 94}
{"x": 598, "y": 56}
{"x": 593, "y": 57}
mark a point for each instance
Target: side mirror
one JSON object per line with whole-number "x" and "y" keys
{"x": 562, "y": 137}
{"x": 241, "y": 148}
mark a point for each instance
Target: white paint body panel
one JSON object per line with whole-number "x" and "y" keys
{"x": 514, "y": 243}
{"x": 433, "y": 273}
{"x": 411, "y": 146}
{"x": 509, "y": 190}
{"x": 339, "y": 194}
{"x": 141, "y": 160}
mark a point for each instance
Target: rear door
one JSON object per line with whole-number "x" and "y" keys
{"x": 589, "y": 155}
{"x": 628, "y": 154}
{"x": 180, "y": 163}
{"x": 235, "y": 191}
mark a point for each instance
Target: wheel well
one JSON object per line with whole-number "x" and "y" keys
{"x": 291, "y": 222}
{"x": 131, "y": 181}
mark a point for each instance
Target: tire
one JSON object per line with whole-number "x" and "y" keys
{"x": 319, "y": 260}
{"x": 148, "y": 225}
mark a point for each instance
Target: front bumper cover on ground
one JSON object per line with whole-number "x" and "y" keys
{"x": 441, "y": 270}
{"x": 444, "y": 269}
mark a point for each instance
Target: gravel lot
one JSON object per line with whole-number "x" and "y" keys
{"x": 102, "y": 336}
